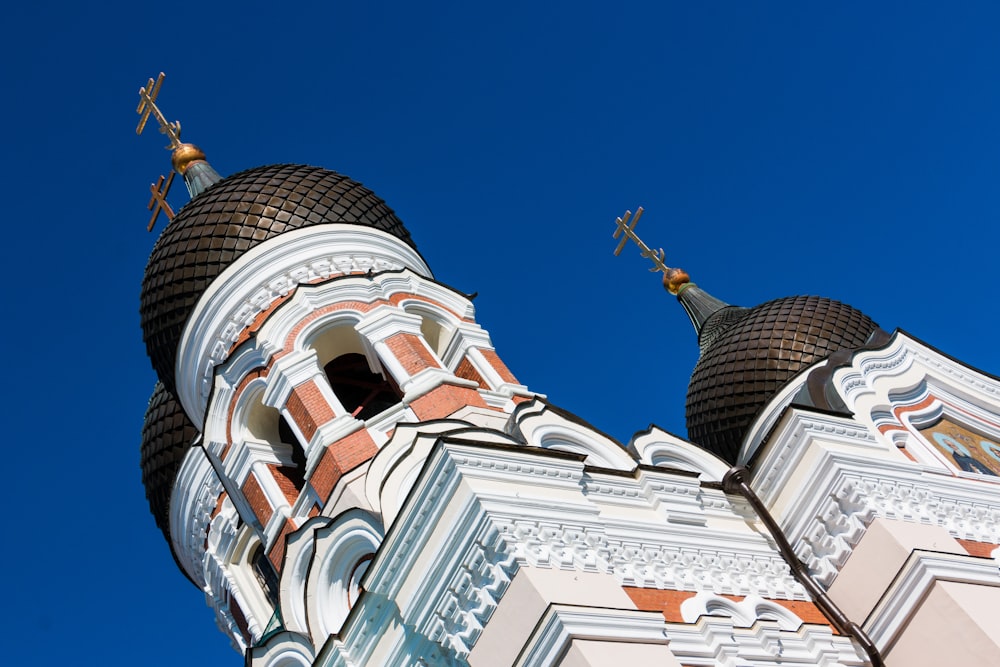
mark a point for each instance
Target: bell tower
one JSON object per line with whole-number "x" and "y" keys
{"x": 294, "y": 327}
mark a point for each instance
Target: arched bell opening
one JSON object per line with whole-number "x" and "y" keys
{"x": 362, "y": 392}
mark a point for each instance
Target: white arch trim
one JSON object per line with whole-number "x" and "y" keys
{"x": 268, "y": 272}
{"x": 547, "y": 429}
{"x": 744, "y": 613}
{"x": 656, "y": 447}
{"x": 339, "y": 548}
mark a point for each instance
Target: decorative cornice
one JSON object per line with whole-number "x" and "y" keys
{"x": 861, "y": 381}
{"x": 845, "y": 494}
{"x": 384, "y": 321}
{"x": 485, "y": 510}
{"x": 795, "y": 439}
{"x": 465, "y": 336}
{"x": 715, "y": 640}
{"x": 196, "y": 494}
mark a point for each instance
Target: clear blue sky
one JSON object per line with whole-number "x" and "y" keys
{"x": 778, "y": 148}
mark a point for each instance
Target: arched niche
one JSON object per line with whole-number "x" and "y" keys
{"x": 299, "y": 550}
{"x": 437, "y": 325}
{"x": 658, "y": 448}
{"x": 343, "y": 551}
{"x": 352, "y": 369}
{"x": 254, "y": 582}
{"x": 542, "y": 426}
{"x": 260, "y": 424}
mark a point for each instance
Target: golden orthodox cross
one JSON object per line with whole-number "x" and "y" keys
{"x": 158, "y": 202}
{"x": 147, "y": 106}
{"x": 626, "y": 231}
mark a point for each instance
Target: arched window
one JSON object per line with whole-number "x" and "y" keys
{"x": 297, "y": 471}
{"x": 436, "y": 326}
{"x": 363, "y": 393}
{"x": 266, "y": 425}
{"x": 344, "y": 551}
{"x": 265, "y": 574}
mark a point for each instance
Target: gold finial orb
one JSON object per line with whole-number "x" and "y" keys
{"x": 674, "y": 279}
{"x": 184, "y": 155}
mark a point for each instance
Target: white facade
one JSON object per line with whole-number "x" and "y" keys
{"x": 471, "y": 522}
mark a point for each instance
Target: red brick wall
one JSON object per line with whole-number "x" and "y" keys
{"x": 983, "y": 549}
{"x": 285, "y": 478}
{"x": 277, "y": 554}
{"x": 499, "y": 366}
{"x": 411, "y": 352}
{"x": 308, "y": 408}
{"x": 340, "y": 457}
{"x": 445, "y": 400}
{"x": 258, "y": 501}
{"x": 467, "y": 371}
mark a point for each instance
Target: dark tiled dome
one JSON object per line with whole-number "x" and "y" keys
{"x": 750, "y": 358}
{"x": 231, "y": 217}
{"x": 167, "y": 435}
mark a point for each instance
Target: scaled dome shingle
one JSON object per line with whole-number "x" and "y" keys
{"x": 167, "y": 434}
{"x": 234, "y": 215}
{"x": 750, "y": 358}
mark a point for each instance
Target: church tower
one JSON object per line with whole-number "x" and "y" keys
{"x": 340, "y": 460}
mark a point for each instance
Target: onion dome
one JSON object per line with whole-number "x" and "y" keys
{"x": 167, "y": 434}
{"x": 749, "y": 354}
{"x": 227, "y": 219}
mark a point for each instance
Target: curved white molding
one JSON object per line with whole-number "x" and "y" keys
{"x": 274, "y": 333}
{"x": 242, "y": 581}
{"x": 340, "y": 548}
{"x": 264, "y": 274}
{"x": 223, "y": 536}
{"x": 299, "y": 551}
{"x": 542, "y": 427}
{"x": 744, "y": 613}
{"x": 880, "y": 378}
{"x": 659, "y": 448}
{"x": 441, "y": 319}
{"x": 196, "y": 493}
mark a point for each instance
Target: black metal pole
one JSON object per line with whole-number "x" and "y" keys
{"x": 735, "y": 481}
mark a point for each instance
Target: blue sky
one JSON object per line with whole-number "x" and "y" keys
{"x": 850, "y": 150}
